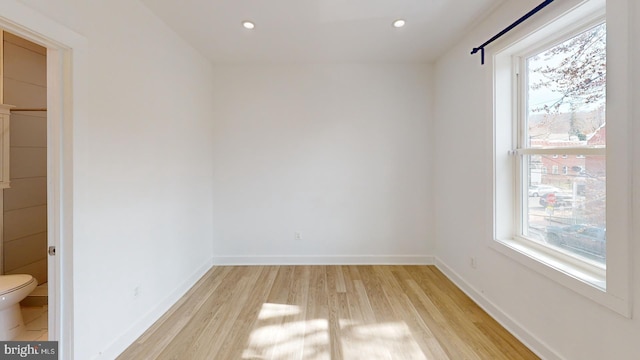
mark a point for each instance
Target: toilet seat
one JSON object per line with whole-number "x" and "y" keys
{"x": 10, "y": 283}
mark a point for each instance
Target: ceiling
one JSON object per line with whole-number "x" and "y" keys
{"x": 293, "y": 31}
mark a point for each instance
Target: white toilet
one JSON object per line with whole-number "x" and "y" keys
{"x": 13, "y": 289}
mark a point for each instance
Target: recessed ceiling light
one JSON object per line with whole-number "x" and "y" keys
{"x": 399, "y": 23}
{"x": 248, "y": 25}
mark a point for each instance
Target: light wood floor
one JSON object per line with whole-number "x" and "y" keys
{"x": 326, "y": 312}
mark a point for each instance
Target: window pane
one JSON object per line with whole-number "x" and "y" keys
{"x": 566, "y": 92}
{"x": 567, "y": 211}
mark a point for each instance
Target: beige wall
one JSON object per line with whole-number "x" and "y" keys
{"x": 25, "y": 203}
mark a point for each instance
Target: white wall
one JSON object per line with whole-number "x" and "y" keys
{"x": 142, "y": 171}
{"x": 340, "y": 153}
{"x": 555, "y": 321}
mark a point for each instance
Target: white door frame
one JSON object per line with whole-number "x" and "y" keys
{"x": 66, "y": 107}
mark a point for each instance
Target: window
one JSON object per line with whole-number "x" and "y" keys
{"x": 562, "y": 89}
{"x": 550, "y": 86}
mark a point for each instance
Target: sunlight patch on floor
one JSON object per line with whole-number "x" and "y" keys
{"x": 270, "y": 310}
{"x": 391, "y": 340}
{"x": 282, "y": 333}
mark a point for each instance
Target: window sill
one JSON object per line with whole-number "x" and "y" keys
{"x": 587, "y": 281}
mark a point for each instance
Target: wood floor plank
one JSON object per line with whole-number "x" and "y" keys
{"x": 173, "y": 321}
{"x": 184, "y": 342}
{"x": 214, "y": 334}
{"x": 290, "y": 341}
{"x": 403, "y": 307}
{"x": 394, "y": 336}
{"x": 316, "y": 336}
{"x": 326, "y": 312}
{"x": 340, "y": 286}
{"x": 448, "y": 338}
{"x": 233, "y": 345}
{"x": 335, "y": 287}
{"x": 274, "y": 314}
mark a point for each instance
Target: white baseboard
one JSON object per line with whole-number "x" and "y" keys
{"x": 143, "y": 324}
{"x": 527, "y": 338}
{"x": 325, "y": 260}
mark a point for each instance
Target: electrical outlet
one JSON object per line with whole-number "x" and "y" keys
{"x": 297, "y": 235}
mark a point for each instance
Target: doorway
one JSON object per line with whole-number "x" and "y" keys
{"x": 24, "y": 197}
{"x": 66, "y": 54}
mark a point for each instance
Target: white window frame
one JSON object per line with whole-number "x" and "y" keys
{"x": 608, "y": 286}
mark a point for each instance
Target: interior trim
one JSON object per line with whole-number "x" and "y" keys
{"x": 325, "y": 260}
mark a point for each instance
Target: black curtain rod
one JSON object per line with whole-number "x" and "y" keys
{"x": 508, "y": 28}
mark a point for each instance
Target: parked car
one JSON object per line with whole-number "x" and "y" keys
{"x": 584, "y": 239}
{"x": 536, "y": 190}
{"x": 559, "y": 199}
